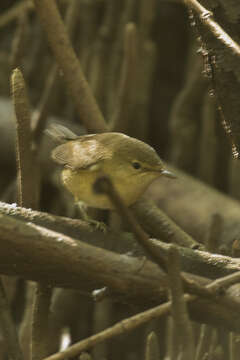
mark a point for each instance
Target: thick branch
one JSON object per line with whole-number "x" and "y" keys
{"x": 156, "y": 223}
{"x": 198, "y": 262}
{"x": 43, "y": 255}
{"x": 191, "y": 204}
{"x": 76, "y": 228}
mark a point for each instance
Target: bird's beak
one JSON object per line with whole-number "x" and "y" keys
{"x": 168, "y": 174}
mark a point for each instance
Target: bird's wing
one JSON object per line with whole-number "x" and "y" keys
{"x": 81, "y": 153}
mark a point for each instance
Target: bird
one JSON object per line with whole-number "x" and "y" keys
{"x": 131, "y": 164}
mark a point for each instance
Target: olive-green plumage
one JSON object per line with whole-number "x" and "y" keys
{"x": 130, "y": 163}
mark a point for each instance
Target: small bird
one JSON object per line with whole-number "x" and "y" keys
{"x": 131, "y": 164}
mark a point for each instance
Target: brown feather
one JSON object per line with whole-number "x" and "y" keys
{"x": 81, "y": 153}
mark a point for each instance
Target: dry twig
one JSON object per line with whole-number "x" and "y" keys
{"x": 161, "y": 226}
{"x": 27, "y": 192}
{"x": 45, "y": 101}
{"x": 152, "y": 347}
{"x": 122, "y": 115}
{"x": 66, "y": 58}
{"x": 206, "y": 17}
{"x": 120, "y": 328}
{"x": 15, "y": 11}
{"x": 8, "y": 328}
{"x": 179, "y": 309}
{"x": 104, "y": 185}
{"x": 27, "y": 180}
{"x": 40, "y": 325}
{"x": 43, "y": 255}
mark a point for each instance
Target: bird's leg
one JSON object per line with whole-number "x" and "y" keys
{"x": 82, "y": 208}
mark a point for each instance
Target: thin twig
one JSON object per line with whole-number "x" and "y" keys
{"x": 214, "y": 233}
{"x": 152, "y": 347}
{"x": 8, "y": 329}
{"x": 104, "y": 185}
{"x": 14, "y": 12}
{"x": 179, "y": 310}
{"x": 18, "y": 43}
{"x": 88, "y": 20}
{"x": 208, "y": 141}
{"x": 40, "y": 326}
{"x": 172, "y": 339}
{"x": 234, "y": 346}
{"x": 206, "y": 17}
{"x": 225, "y": 282}
{"x": 66, "y": 58}
{"x": 41, "y": 116}
{"x": 212, "y": 242}
{"x": 99, "y": 70}
{"x": 204, "y": 342}
{"x": 186, "y": 107}
{"x": 124, "y": 15}
{"x": 120, "y": 328}
{"x": 147, "y": 13}
{"x": 122, "y": 115}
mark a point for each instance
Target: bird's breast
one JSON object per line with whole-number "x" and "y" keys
{"x": 80, "y": 184}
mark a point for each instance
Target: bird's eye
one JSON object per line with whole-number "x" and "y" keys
{"x": 136, "y": 165}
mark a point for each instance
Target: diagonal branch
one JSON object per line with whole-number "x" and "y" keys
{"x": 43, "y": 255}
{"x": 122, "y": 327}
{"x": 67, "y": 60}
{"x": 206, "y": 17}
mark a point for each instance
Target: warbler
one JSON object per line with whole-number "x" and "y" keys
{"x": 131, "y": 164}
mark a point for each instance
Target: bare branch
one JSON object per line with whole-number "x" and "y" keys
{"x": 15, "y": 11}
{"x": 39, "y": 254}
{"x": 161, "y": 226}
{"x": 122, "y": 115}
{"x": 45, "y": 101}
{"x": 66, "y": 58}
{"x": 27, "y": 180}
{"x": 179, "y": 309}
{"x": 120, "y": 328}
{"x": 152, "y": 347}
{"x": 104, "y": 185}
{"x": 8, "y": 328}
{"x": 40, "y": 325}
{"x": 206, "y": 17}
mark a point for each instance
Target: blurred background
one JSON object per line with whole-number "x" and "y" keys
{"x": 145, "y": 65}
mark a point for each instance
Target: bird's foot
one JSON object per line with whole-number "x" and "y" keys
{"x": 97, "y": 225}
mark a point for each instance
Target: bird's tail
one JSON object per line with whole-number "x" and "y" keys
{"x": 60, "y": 134}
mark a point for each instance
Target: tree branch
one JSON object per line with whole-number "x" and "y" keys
{"x": 66, "y": 58}
{"x": 43, "y": 255}
{"x": 206, "y": 17}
